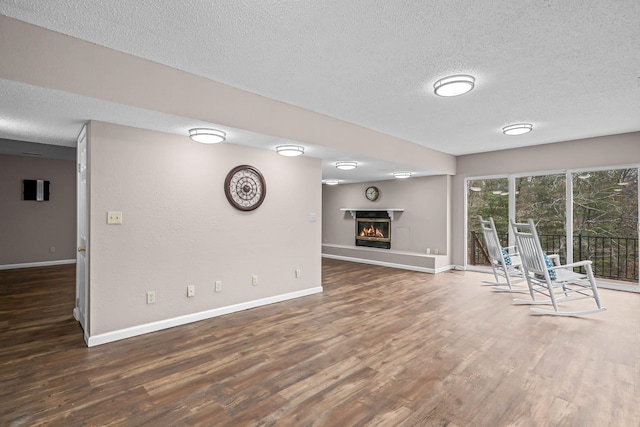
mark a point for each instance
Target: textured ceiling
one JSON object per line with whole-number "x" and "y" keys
{"x": 570, "y": 67}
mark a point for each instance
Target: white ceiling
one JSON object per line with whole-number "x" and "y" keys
{"x": 570, "y": 67}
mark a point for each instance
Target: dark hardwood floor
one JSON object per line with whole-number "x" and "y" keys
{"x": 379, "y": 347}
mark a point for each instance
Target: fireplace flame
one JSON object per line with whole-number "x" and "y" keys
{"x": 371, "y": 232}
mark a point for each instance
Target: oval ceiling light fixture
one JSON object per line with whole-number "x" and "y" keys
{"x": 402, "y": 175}
{"x": 585, "y": 176}
{"x": 454, "y": 85}
{"x": 207, "y": 136}
{"x": 290, "y": 150}
{"x": 517, "y": 129}
{"x": 475, "y": 188}
{"x": 346, "y": 166}
{"x": 332, "y": 181}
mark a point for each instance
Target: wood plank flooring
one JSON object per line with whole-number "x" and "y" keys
{"x": 379, "y": 347}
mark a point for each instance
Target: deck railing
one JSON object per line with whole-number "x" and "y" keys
{"x": 612, "y": 257}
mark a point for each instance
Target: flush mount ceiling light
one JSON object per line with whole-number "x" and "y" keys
{"x": 475, "y": 188}
{"x": 585, "y": 176}
{"x": 454, "y": 85}
{"x": 346, "y": 166}
{"x": 332, "y": 181}
{"x": 207, "y": 136}
{"x": 517, "y": 129}
{"x": 290, "y": 150}
{"x": 402, "y": 175}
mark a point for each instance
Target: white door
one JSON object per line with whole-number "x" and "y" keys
{"x": 82, "y": 279}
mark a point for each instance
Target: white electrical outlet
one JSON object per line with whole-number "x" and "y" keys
{"x": 114, "y": 217}
{"x": 254, "y": 280}
{"x": 191, "y": 291}
{"x": 218, "y": 285}
{"x": 151, "y": 297}
{"x": 298, "y": 273}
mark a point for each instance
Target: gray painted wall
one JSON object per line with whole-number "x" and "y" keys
{"x": 179, "y": 229}
{"x": 29, "y": 229}
{"x": 423, "y": 224}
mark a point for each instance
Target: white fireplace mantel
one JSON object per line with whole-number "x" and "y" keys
{"x": 390, "y": 211}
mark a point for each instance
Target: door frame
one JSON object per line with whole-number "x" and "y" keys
{"x": 81, "y": 310}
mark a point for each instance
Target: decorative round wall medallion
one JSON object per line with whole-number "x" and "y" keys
{"x": 372, "y": 193}
{"x": 245, "y": 188}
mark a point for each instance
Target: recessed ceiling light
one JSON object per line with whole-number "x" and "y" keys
{"x": 290, "y": 150}
{"x": 454, "y": 85}
{"x": 346, "y": 165}
{"x": 207, "y": 136}
{"x": 517, "y": 129}
{"x": 332, "y": 181}
{"x": 402, "y": 175}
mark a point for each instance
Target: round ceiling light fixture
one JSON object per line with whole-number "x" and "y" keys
{"x": 207, "y": 136}
{"x": 517, "y": 129}
{"x": 454, "y": 85}
{"x": 402, "y": 175}
{"x": 290, "y": 150}
{"x": 346, "y": 166}
{"x": 332, "y": 181}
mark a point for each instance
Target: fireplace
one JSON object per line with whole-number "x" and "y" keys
{"x": 373, "y": 229}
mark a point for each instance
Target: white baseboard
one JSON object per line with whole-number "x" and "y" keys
{"x": 388, "y": 264}
{"x": 37, "y": 264}
{"x": 195, "y": 317}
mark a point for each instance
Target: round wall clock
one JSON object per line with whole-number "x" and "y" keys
{"x": 245, "y": 188}
{"x": 372, "y": 193}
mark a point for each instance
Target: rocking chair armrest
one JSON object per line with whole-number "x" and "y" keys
{"x": 572, "y": 265}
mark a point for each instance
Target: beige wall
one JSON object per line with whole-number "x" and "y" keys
{"x": 423, "y": 224}
{"x": 29, "y": 229}
{"x": 607, "y": 151}
{"x": 178, "y": 228}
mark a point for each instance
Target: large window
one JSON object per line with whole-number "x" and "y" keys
{"x": 487, "y": 198}
{"x": 605, "y": 222}
{"x": 543, "y": 199}
{"x": 579, "y": 215}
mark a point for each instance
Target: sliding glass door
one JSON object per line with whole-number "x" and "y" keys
{"x": 543, "y": 199}
{"x": 487, "y": 198}
{"x": 605, "y": 222}
{"x": 580, "y": 215}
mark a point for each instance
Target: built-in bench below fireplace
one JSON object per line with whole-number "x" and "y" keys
{"x": 373, "y": 229}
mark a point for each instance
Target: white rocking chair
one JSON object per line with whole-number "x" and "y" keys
{"x": 558, "y": 283}
{"x": 505, "y": 264}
